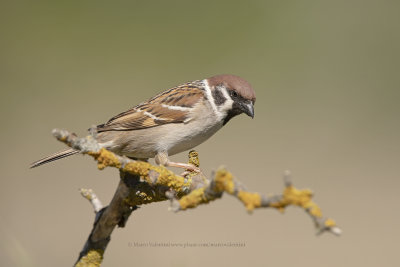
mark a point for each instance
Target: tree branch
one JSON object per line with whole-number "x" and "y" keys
{"x": 143, "y": 183}
{"x": 115, "y": 214}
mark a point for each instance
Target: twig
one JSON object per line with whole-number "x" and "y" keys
{"x": 91, "y": 196}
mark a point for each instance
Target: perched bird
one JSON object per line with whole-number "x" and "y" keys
{"x": 173, "y": 121}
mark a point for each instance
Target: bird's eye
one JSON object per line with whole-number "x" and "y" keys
{"x": 234, "y": 94}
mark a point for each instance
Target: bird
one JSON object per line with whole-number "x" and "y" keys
{"x": 173, "y": 121}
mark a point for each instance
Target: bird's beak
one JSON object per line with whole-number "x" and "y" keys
{"x": 248, "y": 109}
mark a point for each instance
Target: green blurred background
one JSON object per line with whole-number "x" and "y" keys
{"x": 326, "y": 75}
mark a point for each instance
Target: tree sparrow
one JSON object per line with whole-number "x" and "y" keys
{"x": 173, "y": 121}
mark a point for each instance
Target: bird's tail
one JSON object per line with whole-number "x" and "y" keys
{"x": 55, "y": 156}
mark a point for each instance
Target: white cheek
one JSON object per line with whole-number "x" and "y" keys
{"x": 209, "y": 96}
{"x": 228, "y": 102}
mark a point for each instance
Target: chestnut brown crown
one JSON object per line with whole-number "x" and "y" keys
{"x": 236, "y": 83}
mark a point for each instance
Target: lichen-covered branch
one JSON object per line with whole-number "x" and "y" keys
{"x": 223, "y": 181}
{"x": 115, "y": 214}
{"x": 143, "y": 183}
{"x": 154, "y": 182}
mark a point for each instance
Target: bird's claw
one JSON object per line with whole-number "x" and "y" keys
{"x": 191, "y": 169}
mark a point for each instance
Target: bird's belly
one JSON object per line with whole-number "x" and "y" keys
{"x": 190, "y": 139}
{"x": 172, "y": 138}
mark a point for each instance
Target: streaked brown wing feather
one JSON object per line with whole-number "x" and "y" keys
{"x": 152, "y": 113}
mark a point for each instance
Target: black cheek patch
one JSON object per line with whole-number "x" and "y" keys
{"x": 233, "y": 112}
{"x": 219, "y": 98}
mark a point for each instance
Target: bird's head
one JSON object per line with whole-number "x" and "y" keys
{"x": 232, "y": 95}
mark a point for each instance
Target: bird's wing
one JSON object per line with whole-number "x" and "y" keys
{"x": 171, "y": 106}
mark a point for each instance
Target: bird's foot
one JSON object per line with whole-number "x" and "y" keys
{"x": 189, "y": 168}
{"x": 193, "y": 170}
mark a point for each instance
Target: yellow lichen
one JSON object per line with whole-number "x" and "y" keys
{"x": 105, "y": 158}
{"x": 330, "y": 223}
{"x": 250, "y": 200}
{"x": 195, "y": 198}
{"x": 224, "y": 182}
{"x": 315, "y": 210}
{"x": 194, "y": 158}
{"x": 93, "y": 258}
{"x": 171, "y": 180}
{"x": 140, "y": 168}
{"x": 165, "y": 176}
{"x": 296, "y": 197}
{"x": 144, "y": 194}
{"x": 195, "y": 161}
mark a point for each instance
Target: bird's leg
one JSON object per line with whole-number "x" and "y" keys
{"x": 162, "y": 158}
